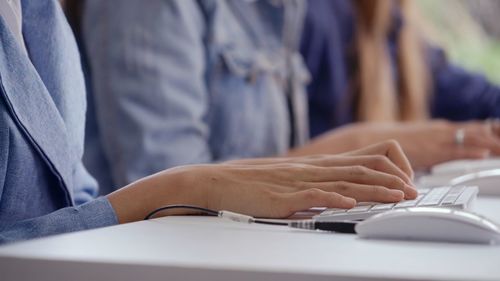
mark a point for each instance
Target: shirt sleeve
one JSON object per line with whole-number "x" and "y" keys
{"x": 460, "y": 95}
{"x": 148, "y": 70}
{"x": 93, "y": 214}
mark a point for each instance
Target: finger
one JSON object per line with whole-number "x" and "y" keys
{"x": 375, "y": 162}
{"x": 355, "y": 174}
{"x": 288, "y": 204}
{"x": 362, "y": 192}
{"x": 366, "y": 176}
{"x": 265, "y": 161}
{"x": 383, "y": 164}
{"x": 392, "y": 150}
{"x": 485, "y": 141}
{"x": 489, "y": 127}
{"x": 455, "y": 153}
{"x": 395, "y": 153}
{"x": 495, "y": 126}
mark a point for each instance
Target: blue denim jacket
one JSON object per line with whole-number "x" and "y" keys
{"x": 44, "y": 188}
{"x": 178, "y": 82}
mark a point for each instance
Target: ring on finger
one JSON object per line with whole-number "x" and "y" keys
{"x": 460, "y": 137}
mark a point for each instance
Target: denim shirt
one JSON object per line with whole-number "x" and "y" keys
{"x": 44, "y": 188}
{"x": 179, "y": 82}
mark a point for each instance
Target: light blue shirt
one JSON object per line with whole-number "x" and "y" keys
{"x": 10, "y": 11}
{"x": 181, "y": 82}
{"x": 44, "y": 187}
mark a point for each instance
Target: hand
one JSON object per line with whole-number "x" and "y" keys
{"x": 433, "y": 143}
{"x": 386, "y": 157}
{"x": 483, "y": 136}
{"x": 274, "y": 188}
{"x": 425, "y": 144}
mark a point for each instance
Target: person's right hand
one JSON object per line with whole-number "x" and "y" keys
{"x": 431, "y": 143}
{"x": 425, "y": 143}
{"x": 274, "y": 188}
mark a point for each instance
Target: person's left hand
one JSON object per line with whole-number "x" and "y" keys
{"x": 386, "y": 157}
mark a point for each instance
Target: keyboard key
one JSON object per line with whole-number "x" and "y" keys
{"x": 362, "y": 208}
{"x": 434, "y": 196}
{"x": 409, "y": 203}
{"x": 366, "y": 203}
{"x": 466, "y": 196}
{"x": 332, "y": 211}
{"x": 383, "y": 207}
{"x": 456, "y": 191}
{"x": 423, "y": 190}
{"x": 449, "y": 199}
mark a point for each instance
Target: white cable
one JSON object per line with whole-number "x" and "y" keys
{"x": 236, "y": 217}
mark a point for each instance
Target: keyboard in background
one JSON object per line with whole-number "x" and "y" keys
{"x": 457, "y": 197}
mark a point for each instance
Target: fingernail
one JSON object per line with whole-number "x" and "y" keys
{"x": 411, "y": 191}
{"x": 349, "y": 201}
{"x": 397, "y": 194}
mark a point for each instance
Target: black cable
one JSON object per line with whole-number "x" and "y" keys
{"x": 169, "y": 207}
{"x": 270, "y": 222}
{"x": 341, "y": 227}
{"x": 206, "y": 211}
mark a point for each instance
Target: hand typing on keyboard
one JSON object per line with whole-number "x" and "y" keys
{"x": 379, "y": 173}
{"x": 458, "y": 197}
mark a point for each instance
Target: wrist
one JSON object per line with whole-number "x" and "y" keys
{"x": 175, "y": 186}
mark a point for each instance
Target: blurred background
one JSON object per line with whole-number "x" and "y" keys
{"x": 469, "y": 30}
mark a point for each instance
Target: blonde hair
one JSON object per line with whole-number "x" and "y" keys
{"x": 380, "y": 97}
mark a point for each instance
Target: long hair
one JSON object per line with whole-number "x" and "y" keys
{"x": 380, "y": 97}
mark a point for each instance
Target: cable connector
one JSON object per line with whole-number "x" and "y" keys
{"x": 340, "y": 226}
{"x": 236, "y": 217}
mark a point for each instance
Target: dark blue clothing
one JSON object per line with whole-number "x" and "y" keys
{"x": 328, "y": 47}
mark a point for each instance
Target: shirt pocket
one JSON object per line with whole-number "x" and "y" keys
{"x": 248, "y": 107}
{"x": 250, "y": 64}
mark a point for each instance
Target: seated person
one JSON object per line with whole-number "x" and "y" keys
{"x": 45, "y": 189}
{"x": 369, "y": 65}
{"x": 209, "y": 81}
{"x": 192, "y": 82}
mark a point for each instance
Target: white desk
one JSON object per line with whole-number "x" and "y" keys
{"x": 202, "y": 248}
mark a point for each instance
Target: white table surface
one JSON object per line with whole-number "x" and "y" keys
{"x": 206, "y": 248}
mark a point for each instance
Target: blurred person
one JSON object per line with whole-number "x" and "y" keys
{"x": 45, "y": 189}
{"x": 373, "y": 74}
{"x": 183, "y": 82}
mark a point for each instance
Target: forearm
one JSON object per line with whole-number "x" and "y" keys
{"x": 132, "y": 203}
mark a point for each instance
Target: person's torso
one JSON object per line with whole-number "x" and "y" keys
{"x": 42, "y": 110}
{"x": 252, "y": 57}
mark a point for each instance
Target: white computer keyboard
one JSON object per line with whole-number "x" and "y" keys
{"x": 457, "y": 197}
